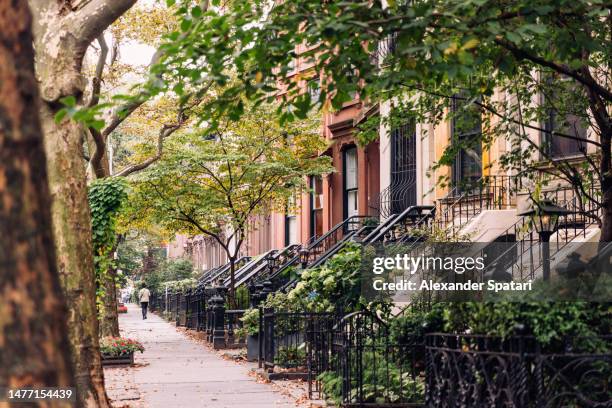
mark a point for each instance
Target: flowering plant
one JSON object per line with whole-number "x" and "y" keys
{"x": 117, "y": 346}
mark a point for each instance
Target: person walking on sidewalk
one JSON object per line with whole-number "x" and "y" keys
{"x": 143, "y": 296}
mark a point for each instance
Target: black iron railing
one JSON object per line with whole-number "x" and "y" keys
{"x": 231, "y": 323}
{"x": 287, "y": 339}
{"x": 251, "y": 269}
{"x": 223, "y": 272}
{"x": 318, "y": 248}
{"x": 328, "y": 240}
{"x": 485, "y": 371}
{"x": 400, "y": 224}
{"x": 523, "y": 259}
{"x": 375, "y": 367}
{"x": 463, "y": 204}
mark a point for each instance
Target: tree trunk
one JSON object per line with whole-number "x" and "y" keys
{"x": 109, "y": 324}
{"x": 606, "y": 227}
{"x": 72, "y": 227}
{"x": 62, "y": 32}
{"x": 34, "y": 349}
{"x": 231, "y": 294}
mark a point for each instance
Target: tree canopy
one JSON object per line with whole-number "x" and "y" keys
{"x": 215, "y": 183}
{"x": 501, "y": 58}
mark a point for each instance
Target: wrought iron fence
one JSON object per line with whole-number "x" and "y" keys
{"x": 293, "y": 340}
{"x": 374, "y": 366}
{"x": 485, "y": 371}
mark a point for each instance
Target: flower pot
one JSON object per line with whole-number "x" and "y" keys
{"x": 123, "y": 359}
{"x": 252, "y": 347}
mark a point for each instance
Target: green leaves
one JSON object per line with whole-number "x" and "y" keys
{"x": 210, "y": 181}
{"x": 85, "y": 115}
{"x": 105, "y": 199}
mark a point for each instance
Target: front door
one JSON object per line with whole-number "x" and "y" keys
{"x": 403, "y": 168}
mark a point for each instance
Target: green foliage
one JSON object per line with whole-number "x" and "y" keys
{"x": 169, "y": 270}
{"x": 88, "y": 116}
{"x": 451, "y": 61}
{"x": 178, "y": 285}
{"x": 291, "y": 356}
{"x": 336, "y": 283}
{"x": 549, "y": 322}
{"x": 106, "y": 197}
{"x": 383, "y": 381}
{"x": 250, "y": 323}
{"x": 214, "y": 182}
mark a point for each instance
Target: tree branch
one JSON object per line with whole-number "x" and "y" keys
{"x": 94, "y": 17}
{"x": 121, "y": 113}
{"x": 588, "y": 82}
{"x": 96, "y": 82}
{"x": 165, "y": 132}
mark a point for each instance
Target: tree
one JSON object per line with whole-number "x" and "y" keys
{"x": 430, "y": 54}
{"x": 145, "y": 24}
{"x": 215, "y": 183}
{"x": 35, "y": 350}
{"x": 62, "y": 33}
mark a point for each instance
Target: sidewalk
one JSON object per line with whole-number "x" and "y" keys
{"x": 176, "y": 371}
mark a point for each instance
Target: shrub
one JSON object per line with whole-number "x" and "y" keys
{"x": 335, "y": 283}
{"x": 250, "y": 323}
{"x": 291, "y": 356}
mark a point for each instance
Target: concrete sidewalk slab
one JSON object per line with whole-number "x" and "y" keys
{"x": 176, "y": 371}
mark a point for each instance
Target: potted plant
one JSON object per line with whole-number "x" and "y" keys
{"x": 250, "y": 329}
{"x": 119, "y": 350}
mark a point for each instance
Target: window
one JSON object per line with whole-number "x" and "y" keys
{"x": 559, "y": 146}
{"x": 558, "y": 105}
{"x": 316, "y": 206}
{"x": 291, "y": 236}
{"x": 350, "y": 192}
{"x": 314, "y": 90}
{"x": 466, "y": 128}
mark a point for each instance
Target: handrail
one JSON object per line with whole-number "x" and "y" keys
{"x": 245, "y": 269}
{"x": 319, "y": 243}
{"x": 490, "y": 192}
{"x": 221, "y": 271}
{"x": 254, "y": 272}
{"x": 335, "y": 228}
{"x": 329, "y": 253}
{"x": 209, "y": 272}
{"x": 290, "y": 250}
{"x": 388, "y": 225}
{"x": 379, "y": 227}
{"x": 527, "y": 244}
{"x": 338, "y": 246}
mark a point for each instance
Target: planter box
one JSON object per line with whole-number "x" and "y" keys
{"x": 124, "y": 359}
{"x": 252, "y": 347}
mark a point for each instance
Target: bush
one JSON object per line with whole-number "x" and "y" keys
{"x": 250, "y": 323}
{"x": 335, "y": 283}
{"x": 381, "y": 381}
{"x": 291, "y": 356}
{"x": 549, "y": 322}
